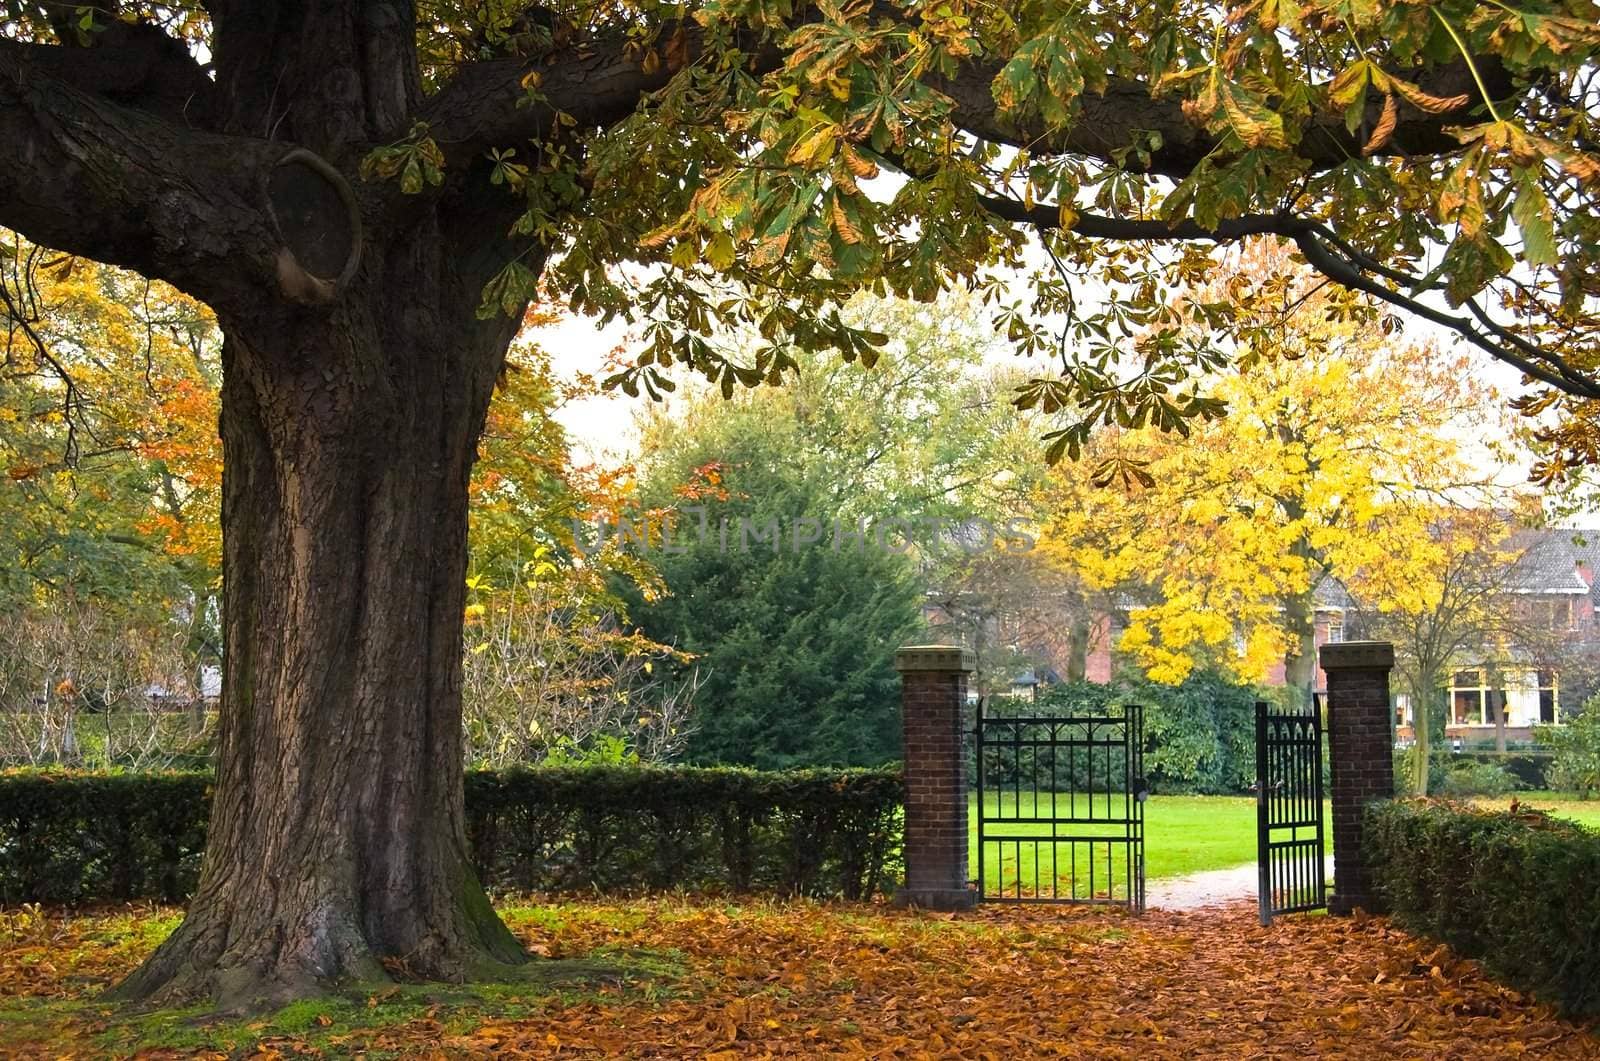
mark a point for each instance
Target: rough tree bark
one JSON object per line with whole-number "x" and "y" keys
{"x": 356, "y": 381}
{"x": 337, "y": 838}
{"x": 1080, "y": 631}
{"x": 1300, "y": 662}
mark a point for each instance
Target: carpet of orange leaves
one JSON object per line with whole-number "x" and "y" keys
{"x": 810, "y": 980}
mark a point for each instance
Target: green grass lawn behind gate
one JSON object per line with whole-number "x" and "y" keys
{"x": 1183, "y": 835}
{"x": 1586, "y": 812}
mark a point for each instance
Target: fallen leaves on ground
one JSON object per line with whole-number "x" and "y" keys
{"x": 806, "y": 980}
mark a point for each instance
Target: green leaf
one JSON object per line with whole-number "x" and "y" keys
{"x": 1531, "y": 211}
{"x": 1251, "y": 120}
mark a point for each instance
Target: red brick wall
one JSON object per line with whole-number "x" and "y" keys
{"x": 934, "y": 719}
{"x": 1361, "y": 759}
{"x": 1097, "y": 667}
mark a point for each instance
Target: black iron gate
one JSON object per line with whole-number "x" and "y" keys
{"x": 1289, "y": 851}
{"x": 1061, "y": 806}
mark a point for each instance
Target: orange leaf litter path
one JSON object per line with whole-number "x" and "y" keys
{"x": 822, "y": 980}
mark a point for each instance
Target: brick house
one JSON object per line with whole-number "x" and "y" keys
{"x": 1553, "y": 580}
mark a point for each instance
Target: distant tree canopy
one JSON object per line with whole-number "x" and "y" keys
{"x": 794, "y": 640}
{"x": 1341, "y": 447}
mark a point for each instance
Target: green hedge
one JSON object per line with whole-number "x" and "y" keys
{"x": 73, "y": 837}
{"x": 807, "y": 832}
{"x": 1199, "y": 737}
{"x": 1528, "y": 767}
{"x": 79, "y": 837}
{"x": 1520, "y": 892}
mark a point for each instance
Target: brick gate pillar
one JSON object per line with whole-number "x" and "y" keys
{"x": 1360, "y": 757}
{"x": 933, "y": 683}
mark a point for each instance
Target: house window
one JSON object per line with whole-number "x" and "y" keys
{"x": 1547, "y": 697}
{"x": 1551, "y": 613}
{"x": 1472, "y": 703}
{"x": 1466, "y": 698}
{"x": 1335, "y": 629}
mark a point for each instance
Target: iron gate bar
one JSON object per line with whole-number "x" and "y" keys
{"x": 1001, "y": 742}
{"x": 1292, "y": 875}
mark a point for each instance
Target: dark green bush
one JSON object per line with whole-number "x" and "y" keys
{"x": 1575, "y": 766}
{"x": 1199, "y": 736}
{"x": 1530, "y": 768}
{"x": 1520, "y": 892}
{"x": 1470, "y": 777}
{"x": 807, "y": 832}
{"x": 79, "y": 837}
{"x": 73, "y": 838}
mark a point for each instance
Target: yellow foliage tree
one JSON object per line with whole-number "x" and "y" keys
{"x": 1336, "y": 433}
{"x": 111, "y": 489}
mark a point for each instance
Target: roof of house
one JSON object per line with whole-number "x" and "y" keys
{"x": 1549, "y": 563}
{"x": 1549, "y": 560}
{"x": 1585, "y": 545}
{"x": 1330, "y": 593}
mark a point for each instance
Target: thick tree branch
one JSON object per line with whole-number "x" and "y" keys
{"x": 483, "y": 106}
{"x": 1116, "y": 119}
{"x": 134, "y": 64}
{"x": 121, "y": 185}
{"x": 1333, "y": 258}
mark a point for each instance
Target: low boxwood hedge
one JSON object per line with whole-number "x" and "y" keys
{"x": 77, "y": 837}
{"x": 1520, "y": 892}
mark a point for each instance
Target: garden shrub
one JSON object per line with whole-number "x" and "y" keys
{"x": 1575, "y": 747}
{"x": 1471, "y": 777}
{"x": 1525, "y": 769}
{"x": 77, "y": 837}
{"x": 1529, "y": 768}
{"x": 1521, "y": 892}
{"x": 1199, "y": 736}
{"x": 81, "y": 837}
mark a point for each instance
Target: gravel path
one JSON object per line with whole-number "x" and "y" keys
{"x": 1211, "y": 888}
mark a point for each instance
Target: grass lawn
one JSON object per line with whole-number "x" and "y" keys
{"x": 1559, "y": 804}
{"x": 673, "y": 978}
{"x": 1183, "y": 835}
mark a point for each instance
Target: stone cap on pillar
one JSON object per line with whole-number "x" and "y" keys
{"x": 947, "y": 658}
{"x": 1344, "y": 655}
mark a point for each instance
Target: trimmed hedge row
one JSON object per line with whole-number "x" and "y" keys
{"x": 1529, "y": 768}
{"x": 1520, "y": 892}
{"x": 73, "y": 838}
{"x": 794, "y": 832}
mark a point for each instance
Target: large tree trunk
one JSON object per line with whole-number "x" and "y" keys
{"x": 337, "y": 842}
{"x": 1080, "y": 631}
{"x": 1300, "y": 662}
